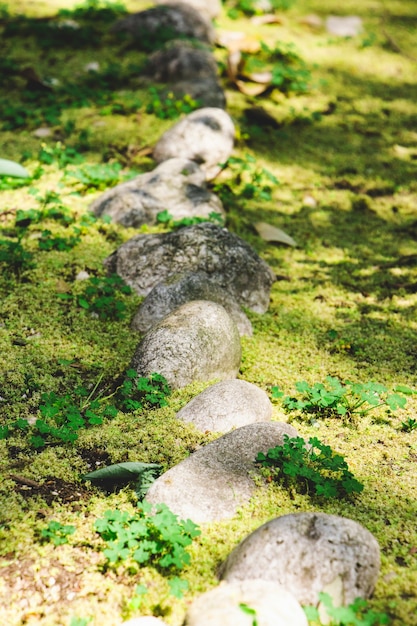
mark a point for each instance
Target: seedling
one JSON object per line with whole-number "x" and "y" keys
{"x": 168, "y": 107}
{"x": 313, "y": 469}
{"x": 248, "y": 610}
{"x": 247, "y": 180}
{"x": 165, "y": 217}
{"x": 57, "y": 533}
{"x": 137, "y": 392}
{"x": 99, "y": 177}
{"x": 152, "y": 536}
{"x": 355, "y": 614}
{"x": 348, "y": 400}
{"x": 409, "y": 425}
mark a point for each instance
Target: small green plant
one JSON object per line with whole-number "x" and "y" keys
{"x": 62, "y": 416}
{"x": 248, "y": 610}
{"x": 246, "y": 180}
{"x": 136, "y": 600}
{"x": 48, "y": 241}
{"x": 80, "y": 621}
{"x": 59, "y": 154}
{"x": 409, "y": 425}
{"x": 100, "y": 176}
{"x": 138, "y": 392}
{"x": 248, "y": 8}
{"x": 101, "y": 297}
{"x": 165, "y": 217}
{"x": 57, "y": 533}
{"x": 313, "y": 468}
{"x": 14, "y": 258}
{"x": 355, "y": 614}
{"x": 337, "y": 399}
{"x": 152, "y": 536}
{"x": 168, "y": 107}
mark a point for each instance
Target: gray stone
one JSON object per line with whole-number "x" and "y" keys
{"x": 165, "y": 22}
{"x": 199, "y": 341}
{"x": 226, "y": 405}
{"x": 181, "y": 288}
{"x": 308, "y": 553}
{"x": 274, "y": 606}
{"x": 205, "y": 91}
{"x": 181, "y": 60}
{"x": 212, "y": 483}
{"x": 146, "y": 260}
{"x": 208, "y": 8}
{"x": 205, "y": 136}
{"x": 176, "y": 185}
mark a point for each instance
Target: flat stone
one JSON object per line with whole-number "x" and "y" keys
{"x": 212, "y": 483}
{"x": 146, "y": 260}
{"x": 226, "y": 405}
{"x": 181, "y": 288}
{"x": 199, "y": 341}
{"x": 273, "y": 606}
{"x": 205, "y": 136}
{"x": 207, "y": 92}
{"x": 308, "y": 553}
{"x": 177, "y": 185}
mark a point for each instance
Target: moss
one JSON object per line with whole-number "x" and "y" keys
{"x": 343, "y": 305}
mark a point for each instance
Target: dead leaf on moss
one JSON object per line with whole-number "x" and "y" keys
{"x": 273, "y": 234}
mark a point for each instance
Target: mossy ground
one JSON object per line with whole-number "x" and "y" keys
{"x": 344, "y": 303}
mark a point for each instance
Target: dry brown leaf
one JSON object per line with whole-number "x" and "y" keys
{"x": 264, "y": 78}
{"x": 273, "y": 234}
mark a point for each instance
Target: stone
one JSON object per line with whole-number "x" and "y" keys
{"x": 176, "y": 185}
{"x": 205, "y": 91}
{"x": 199, "y": 341}
{"x": 205, "y": 136}
{"x": 226, "y": 405}
{"x": 208, "y": 8}
{"x": 181, "y": 60}
{"x": 178, "y": 289}
{"x": 274, "y": 606}
{"x": 146, "y": 260}
{"x": 308, "y": 553}
{"x": 165, "y": 22}
{"x": 344, "y": 26}
{"x": 213, "y": 482}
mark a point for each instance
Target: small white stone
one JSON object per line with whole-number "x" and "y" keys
{"x": 93, "y": 66}
{"x": 82, "y": 275}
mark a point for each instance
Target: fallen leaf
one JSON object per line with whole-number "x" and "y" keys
{"x": 273, "y": 234}
{"x": 270, "y": 18}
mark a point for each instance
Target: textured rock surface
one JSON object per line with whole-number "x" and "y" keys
{"x": 181, "y": 288}
{"x": 197, "y": 342}
{"x": 166, "y": 22}
{"x": 212, "y": 483}
{"x": 307, "y": 552}
{"x": 181, "y": 60}
{"x": 206, "y": 91}
{"x": 146, "y": 260}
{"x": 274, "y": 606}
{"x": 176, "y": 185}
{"x": 205, "y": 136}
{"x": 226, "y": 405}
{"x": 208, "y": 8}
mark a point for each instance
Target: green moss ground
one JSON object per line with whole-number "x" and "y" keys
{"x": 344, "y": 303}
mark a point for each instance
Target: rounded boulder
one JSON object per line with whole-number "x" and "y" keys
{"x": 308, "y": 553}
{"x": 199, "y": 341}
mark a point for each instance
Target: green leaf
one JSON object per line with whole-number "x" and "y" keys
{"x": 177, "y": 586}
{"x": 120, "y": 472}
{"x": 11, "y": 168}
